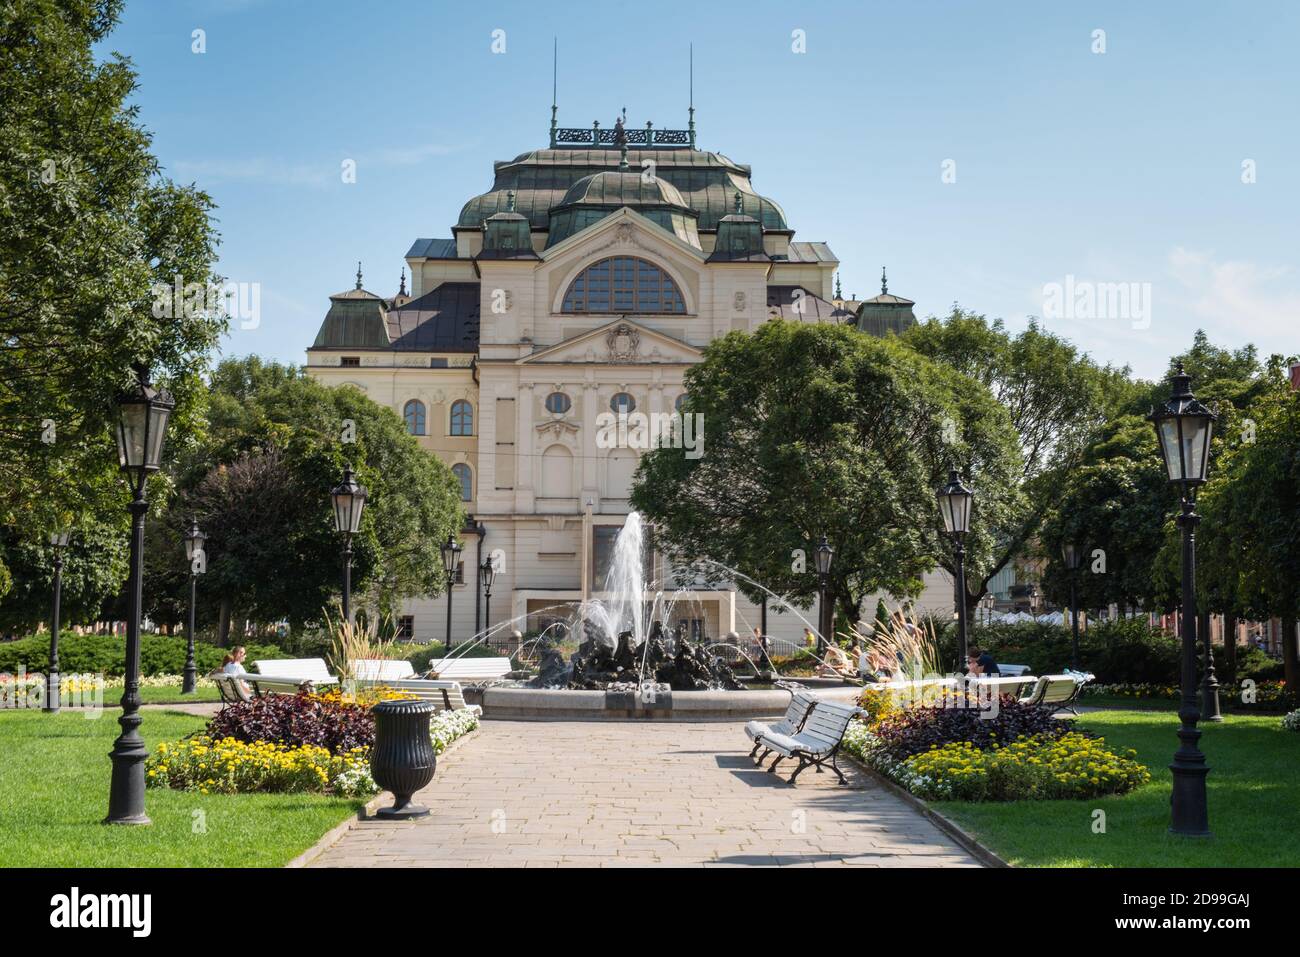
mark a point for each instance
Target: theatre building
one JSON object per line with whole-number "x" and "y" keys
{"x": 587, "y": 279}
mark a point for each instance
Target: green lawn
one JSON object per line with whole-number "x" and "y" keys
{"x": 54, "y": 774}
{"x": 1254, "y": 799}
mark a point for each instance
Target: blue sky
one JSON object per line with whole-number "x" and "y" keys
{"x": 1117, "y": 167}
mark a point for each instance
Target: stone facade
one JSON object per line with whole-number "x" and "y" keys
{"x": 535, "y": 375}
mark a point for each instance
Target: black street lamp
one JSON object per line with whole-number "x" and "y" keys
{"x": 954, "y": 504}
{"x": 59, "y": 540}
{"x": 487, "y": 575}
{"x": 823, "y": 554}
{"x": 1184, "y": 426}
{"x": 196, "y": 554}
{"x": 1073, "y": 556}
{"x": 349, "y": 500}
{"x": 479, "y": 529}
{"x": 450, "y": 563}
{"x": 142, "y": 415}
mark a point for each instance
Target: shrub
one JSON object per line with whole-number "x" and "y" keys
{"x": 106, "y": 654}
{"x": 1291, "y": 722}
{"x": 296, "y": 720}
{"x": 420, "y": 655}
{"x": 1037, "y": 767}
{"x": 916, "y": 730}
{"x": 231, "y": 766}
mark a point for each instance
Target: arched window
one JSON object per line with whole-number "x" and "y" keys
{"x": 622, "y": 404}
{"x": 462, "y": 418}
{"x": 413, "y": 412}
{"x": 623, "y": 284}
{"x": 462, "y": 472}
{"x": 558, "y": 403}
{"x": 679, "y": 402}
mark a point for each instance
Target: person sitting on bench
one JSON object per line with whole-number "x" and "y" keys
{"x": 980, "y": 664}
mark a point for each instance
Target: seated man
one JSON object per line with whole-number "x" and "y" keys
{"x": 980, "y": 664}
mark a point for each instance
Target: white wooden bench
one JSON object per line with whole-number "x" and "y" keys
{"x": 445, "y": 695}
{"x": 801, "y": 702}
{"x": 290, "y": 675}
{"x": 230, "y": 688}
{"x": 470, "y": 669}
{"x": 1053, "y": 692}
{"x": 381, "y": 670}
{"x": 1013, "y": 685}
{"x": 819, "y": 740}
{"x": 1012, "y": 671}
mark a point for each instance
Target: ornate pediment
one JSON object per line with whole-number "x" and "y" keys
{"x": 622, "y": 342}
{"x": 557, "y": 427}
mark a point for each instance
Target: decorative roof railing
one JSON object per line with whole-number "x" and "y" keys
{"x": 597, "y": 138}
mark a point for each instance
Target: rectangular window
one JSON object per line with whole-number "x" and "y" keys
{"x": 350, "y": 361}
{"x": 406, "y": 628}
{"x": 460, "y": 573}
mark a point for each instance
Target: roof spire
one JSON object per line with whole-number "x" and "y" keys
{"x": 691, "y": 125}
{"x": 838, "y": 293}
{"x": 401, "y": 290}
{"x": 358, "y": 273}
{"x": 884, "y": 284}
{"x": 555, "y": 77}
{"x": 739, "y": 203}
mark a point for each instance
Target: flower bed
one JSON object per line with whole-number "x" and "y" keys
{"x": 288, "y": 743}
{"x": 949, "y": 752}
{"x": 230, "y": 766}
{"x": 1259, "y": 695}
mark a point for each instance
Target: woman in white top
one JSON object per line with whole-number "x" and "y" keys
{"x": 234, "y": 662}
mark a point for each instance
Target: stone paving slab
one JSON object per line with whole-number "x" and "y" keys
{"x": 634, "y": 794}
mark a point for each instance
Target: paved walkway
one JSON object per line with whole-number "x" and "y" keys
{"x": 571, "y": 793}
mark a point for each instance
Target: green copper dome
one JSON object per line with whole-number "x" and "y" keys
{"x": 594, "y": 197}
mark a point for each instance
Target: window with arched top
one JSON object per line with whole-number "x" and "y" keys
{"x": 462, "y": 418}
{"x": 623, "y": 284}
{"x": 414, "y": 414}
{"x": 466, "y": 478}
{"x": 622, "y": 404}
{"x": 679, "y": 402}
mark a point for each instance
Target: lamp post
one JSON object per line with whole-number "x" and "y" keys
{"x": 59, "y": 540}
{"x": 1073, "y": 555}
{"x": 141, "y": 428}
{"x": 480, "y": 530}
{"x": 824, "y": 553}
{"x": 487, "y": 574}
{"x": 1184, "y": 426}
{"x": 450, "y": 562}
{"x": 197, "y": 555}
{"x": 954, "y": 505}
{"x": 349, "y": 500}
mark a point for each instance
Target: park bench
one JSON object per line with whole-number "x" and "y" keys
{"x": 470, "y": 669}
{"x": 1056, "y": 692}
{"x": 230, "y": 688}
{"x": 818, "y": 741}
{"x": 801, "y": 702}
{"x": 1012, "y": 671}
{"x": 445, "y": 695}
{"x": 381, "y": 670}
{"x": 289, "y": 675}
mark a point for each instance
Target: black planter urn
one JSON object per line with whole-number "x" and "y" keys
{"x": 403, "y": 759}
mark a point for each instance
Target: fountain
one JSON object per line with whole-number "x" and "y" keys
{"x": 627, "y": 661}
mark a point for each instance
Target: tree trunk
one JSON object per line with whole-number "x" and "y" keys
{"x": 223, "y": 624}
{"x": 1230, "y": 652}
{"x": 1290, "y": 654}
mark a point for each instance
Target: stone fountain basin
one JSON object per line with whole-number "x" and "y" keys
{"x": 543, "y": 704}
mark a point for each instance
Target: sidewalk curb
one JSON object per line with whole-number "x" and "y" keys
{"x": 948, "y": 826}
{"x": 331, "y": 837}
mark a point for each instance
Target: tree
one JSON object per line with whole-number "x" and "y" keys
{"x": 88, "y": 228}
{"x": 1252, "y": 510}
{"x": 259, "y": 487}
{"x": 1056, "y": 399}
{"x": 819, "y": 430}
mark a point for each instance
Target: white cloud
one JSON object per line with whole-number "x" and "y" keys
{"x": 1244, "y": 301}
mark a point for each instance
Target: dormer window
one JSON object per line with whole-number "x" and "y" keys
{"x": 624, "y": 284}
